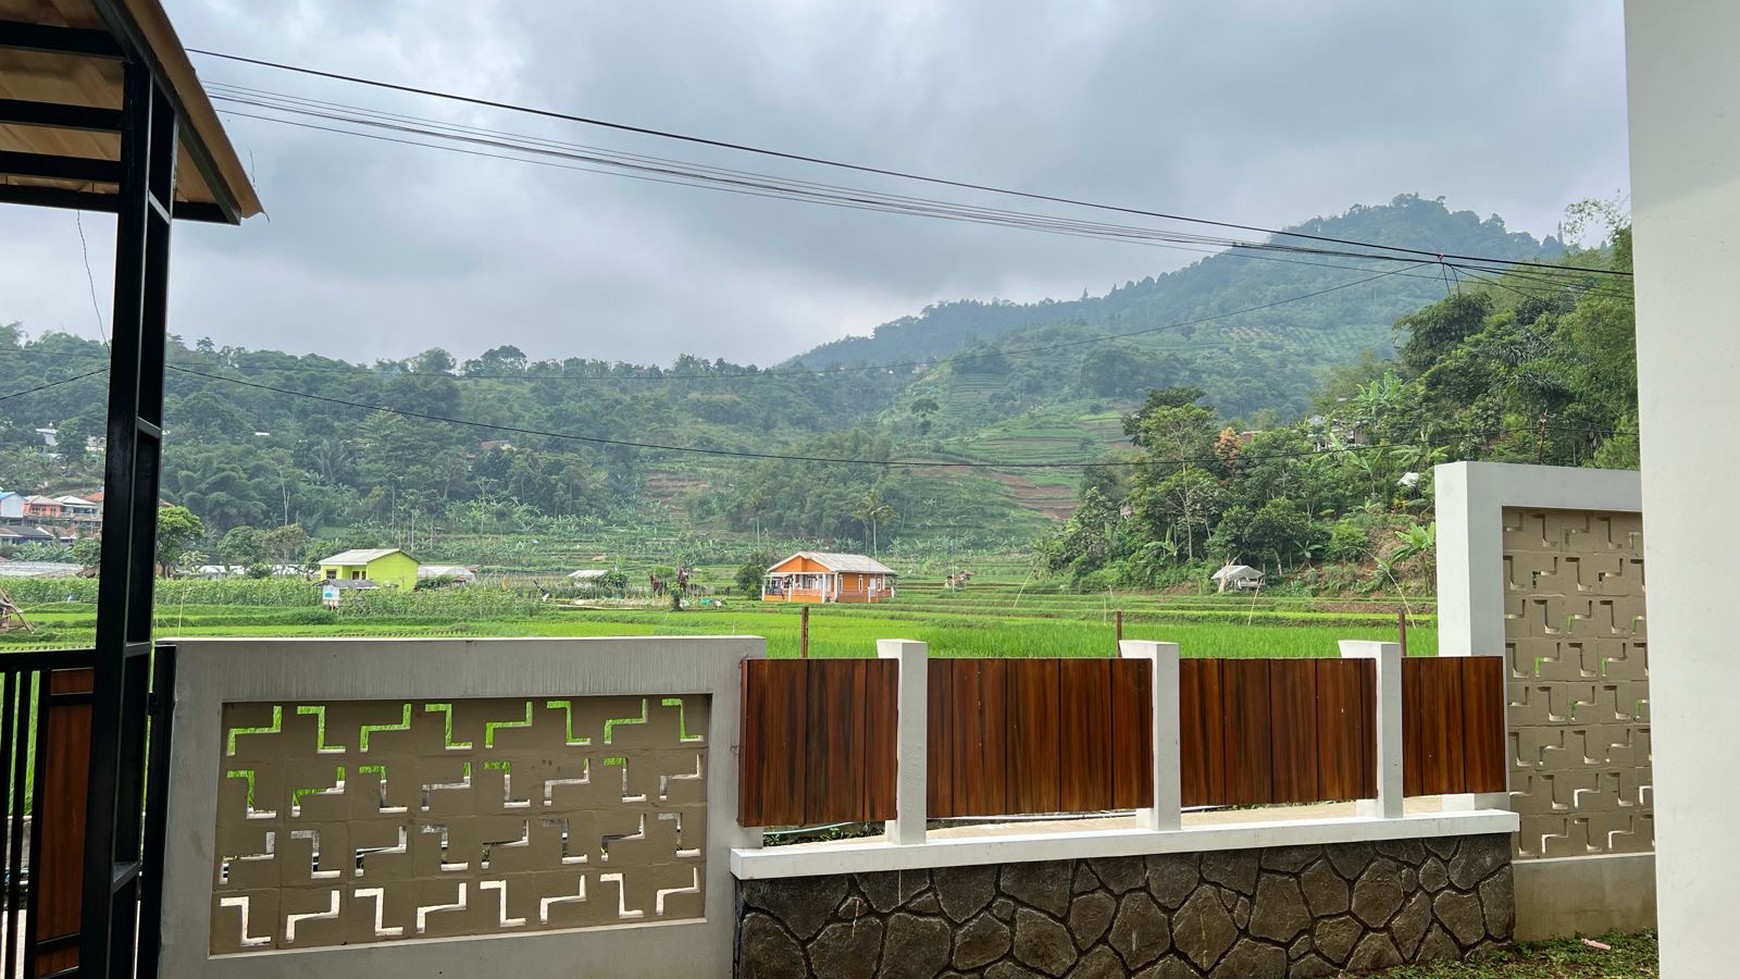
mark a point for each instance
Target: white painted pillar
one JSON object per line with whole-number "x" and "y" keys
{"x": 1682, "y": 76}
{"x": 1388, "y": 804}
{"x": 911, "y": 778}
{"x": 1166, "y": 810}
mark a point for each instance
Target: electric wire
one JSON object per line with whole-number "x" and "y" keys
{"x": 842, "y": 165}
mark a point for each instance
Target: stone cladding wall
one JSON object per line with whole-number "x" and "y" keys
{"x": 1280, "y": 913}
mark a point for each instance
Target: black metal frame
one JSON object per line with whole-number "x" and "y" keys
{"x": 114, "y": 827}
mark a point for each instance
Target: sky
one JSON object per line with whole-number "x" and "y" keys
{"x": 1265, "y": 112}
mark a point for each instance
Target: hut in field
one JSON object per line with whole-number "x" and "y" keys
{"x": 1241, "y": 577}
{"x": 818, "y": 577}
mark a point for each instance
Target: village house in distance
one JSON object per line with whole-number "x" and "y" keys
{"x": 381, "y": 567}
{"x": 815, "y": 576}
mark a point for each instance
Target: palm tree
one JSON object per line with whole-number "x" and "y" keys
{"x": 873, "y": 509}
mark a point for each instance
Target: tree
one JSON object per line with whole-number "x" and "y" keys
{"x": 873, "y": 509}
{"x": 178, "y": 530}
{"x": 287, "y": 544}
{"x": 243, "y": 545}
{"x": 924, "y": 406}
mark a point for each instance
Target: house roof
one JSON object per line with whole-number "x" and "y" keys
{"x": 41, "y": 500}
{"x": 856, "y": 563}
{"x": 588, "y": 574}
{"x": 210, "y": 180}
{"x": 445, "y": 571}
{"x": 73, "y": 501}
{"x": 361, "y": 555}
{"x": 1234, "y": 571}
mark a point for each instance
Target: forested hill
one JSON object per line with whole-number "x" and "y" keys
{"x": 1329, "y": 329}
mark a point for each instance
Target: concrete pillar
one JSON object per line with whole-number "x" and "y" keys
{"x": 911, "y": 778}
{"x": 1165, "y": 812}
{"x": 1388, "y": 804}
{"x": 1683, "y": 73}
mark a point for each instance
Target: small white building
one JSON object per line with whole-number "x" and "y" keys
{"x": 459, "y": 573}
{"x": 11, "y": 506}
{"x": 1241, "y": 577}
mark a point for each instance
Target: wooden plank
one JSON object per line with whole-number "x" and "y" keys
{"x": 1085, "y": 731}
{"x": 1413, "y": 742}
{"x": 1035, "y": 736}
{"x": 1438, "y": 728}
{"x": 940, "y": 740}
{"x": 1483, "y": 719}
{"x": 834, "y": 759}
{"x": 979, "y": 718}
{"x": 58, "y": 870}
{"x": 1345, "y": 745}
{"x": 774, "y": 743}
{"x": 1132, "y": 733}
{"x": 1293, "y": 730}
{"x": 1249, "y": 764}
{"x": 1201, "y": 732}
{"x": 881, "y": 737}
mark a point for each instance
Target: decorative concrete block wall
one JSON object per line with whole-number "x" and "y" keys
{"x": 1280, "y": 913}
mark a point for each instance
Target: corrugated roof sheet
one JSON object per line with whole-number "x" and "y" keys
{"x": 855, "y": 563}
{"x": 361, "y": 555}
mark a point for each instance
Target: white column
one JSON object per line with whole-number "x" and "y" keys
{"x": 1166, "y": 809}
{"x": 911, "y": 778}
{"x": 1388, "y": 804}
{"x": 1682, "y": 75}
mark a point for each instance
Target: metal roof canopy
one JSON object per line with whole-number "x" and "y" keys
{"x": 61, "y": 109}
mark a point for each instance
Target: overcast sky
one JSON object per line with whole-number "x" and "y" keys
{"x": 1257, "y": 112}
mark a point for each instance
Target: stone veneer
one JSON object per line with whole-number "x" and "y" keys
{"x": 1279, "y": 913}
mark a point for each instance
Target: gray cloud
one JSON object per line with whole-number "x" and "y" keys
{"x": 1259, "y": 112}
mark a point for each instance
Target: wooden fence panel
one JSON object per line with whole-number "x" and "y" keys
{"x": 834, "y": 778}
{"x": 1484, "y": 724}
{"x": 773, "y": 751}
{"x": 1037, "y": 736}
{"x": 818, "y": 742}
{"x": 1201, "y": 742}
{"x": 1347, "y": 729}
{"x": 1084, "y": 693}
{"x": 939, "y": 793}
{"x": 1132, "y": 683}
{"x": 1249, "y": 762}
{"x": 882, "y": 738}
{"x": 978, "y": 699}
{"x": 58, "y": 868}
{"x": 1453, "y": 728}
{"x": 1293, "y": 731}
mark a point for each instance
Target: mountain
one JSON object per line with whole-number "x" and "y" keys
{"x": 1268, "y": 358}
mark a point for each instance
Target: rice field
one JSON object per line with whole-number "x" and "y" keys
{"x": 992, "y": 619}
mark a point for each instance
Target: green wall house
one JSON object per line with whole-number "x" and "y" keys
{"x": 387, "y": 567}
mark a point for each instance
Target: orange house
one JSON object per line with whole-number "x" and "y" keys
{"x": 813, "y": 576}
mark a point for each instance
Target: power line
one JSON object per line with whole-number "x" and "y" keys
{"x": 749, "y": 183}
{"x": 855, "y": 167}
{"x": 53, "y": 384}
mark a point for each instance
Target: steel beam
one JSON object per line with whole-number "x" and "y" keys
{"x": 81, "y": 42}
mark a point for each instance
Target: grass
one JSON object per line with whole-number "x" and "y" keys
{"x": 996, "y": 619}
{"x": 1631, "y": 957}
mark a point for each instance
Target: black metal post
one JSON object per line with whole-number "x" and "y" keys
{"x": 114, "y": 829}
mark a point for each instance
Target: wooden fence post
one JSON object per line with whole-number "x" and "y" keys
{"x": 1120, "y": 630}
{"x": 1165, "y": 810}
{"x": 1388, "y": 804}
{"x": 804, "y": 633}
{"x": 912, "y": 713}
